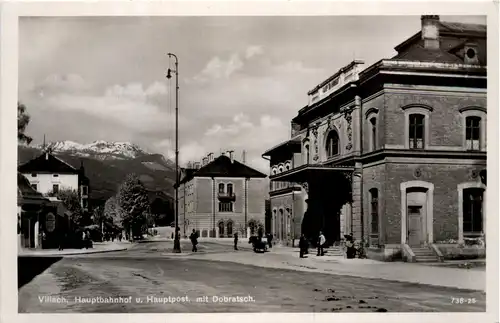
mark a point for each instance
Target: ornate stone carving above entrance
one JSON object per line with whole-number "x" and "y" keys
{"x": 474, "y": 173}
{"x": 417, "y": 173}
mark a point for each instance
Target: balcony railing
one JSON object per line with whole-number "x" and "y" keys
{"x": 226, "y": 196}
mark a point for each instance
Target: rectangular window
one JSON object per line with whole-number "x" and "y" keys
{"x": 225, "y": 207}
{"x": 85, "y": 190}
{"x": 417, "y": 124}
{"x": 55, "y": 188}
{"x": 33, "y": 175}
{"x": 85, "y": 203}
{"x": 473, "y": 133}
{"x": 55, "y": 175}
{"x": 473, "y": 210}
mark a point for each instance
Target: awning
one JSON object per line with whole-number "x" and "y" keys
{"x": 292, "y": 145}
{"x": 307, "y": 172}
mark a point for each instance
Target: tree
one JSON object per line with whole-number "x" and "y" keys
{"x": 113, "y": 213}
{"x": 71, "y": 201}
{"x": 23, "y": 119}
{"x": 133, "y": 200}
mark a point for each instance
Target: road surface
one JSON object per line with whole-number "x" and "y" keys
{"x": 149, "y": 281}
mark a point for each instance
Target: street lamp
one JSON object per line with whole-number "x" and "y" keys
{"x": 177, "y": 243}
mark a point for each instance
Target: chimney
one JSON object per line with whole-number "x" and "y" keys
{"x": 230, "y": 152}
{"x": 46, "y": 156}
{"x": 243, "y": 156}
{"x": 430, "y": 31}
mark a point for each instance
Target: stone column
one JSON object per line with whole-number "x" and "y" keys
{"x": 357, "y": 203}
{"x": 460, "y": 216}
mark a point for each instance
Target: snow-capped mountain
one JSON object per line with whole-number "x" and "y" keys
{"x": 98, "y": 149}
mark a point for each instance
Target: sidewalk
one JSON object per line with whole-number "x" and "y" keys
{"x": 98, "y": 247}
{"x": 287, "y": 258}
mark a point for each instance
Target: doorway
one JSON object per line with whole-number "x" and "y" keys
{"x": 416, "y": 216}
{"x": 415, "y": 225}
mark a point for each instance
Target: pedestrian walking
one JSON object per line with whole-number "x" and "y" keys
{"x": 194, "y": 240}
{"x": 303, "y": 245}
{"x": 270, "y": 240}
{"x": 236, "y": 241}
{"x": 321, "y": 243}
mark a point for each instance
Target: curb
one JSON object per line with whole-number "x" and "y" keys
{"x": 69, "y": 254}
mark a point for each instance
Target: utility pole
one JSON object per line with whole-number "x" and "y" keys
{"x": 177, "y": 243}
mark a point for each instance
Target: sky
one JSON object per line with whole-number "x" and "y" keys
{"x": 241, "y": 79}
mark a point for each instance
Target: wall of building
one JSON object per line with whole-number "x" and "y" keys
{"x": 373, "y": 107}
{"x": 374, "y": 177}
{"x": 205, "y": 199}
{"x": 447, "y": 129}
{"x": 445, "y": 176}
{"x": 45, "y": 182}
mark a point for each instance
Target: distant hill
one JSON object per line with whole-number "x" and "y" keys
{"x": 107, "y": 163}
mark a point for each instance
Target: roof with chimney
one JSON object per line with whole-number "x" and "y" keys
{"x": 47, "y": 163}
{"x": 453, "y": 38}
{"x": 222, "y": 166}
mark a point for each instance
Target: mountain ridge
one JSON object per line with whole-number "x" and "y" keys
{"x": 107, "y": 164}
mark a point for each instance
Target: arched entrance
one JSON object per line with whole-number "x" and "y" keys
{"x": 326, "y": 197}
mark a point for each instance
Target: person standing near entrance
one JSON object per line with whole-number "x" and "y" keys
{"x": 321, "y": 243}
{"x": 270, "y": 240}
{"x": 236, "y": 241}
{"x": 194, "y": 240}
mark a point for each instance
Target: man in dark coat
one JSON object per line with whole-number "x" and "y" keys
{"x": 194, "y": 240}
{"x": 236, "y": 241}
{"x": 270, "y": 240}
{"x": 303, "y": 245}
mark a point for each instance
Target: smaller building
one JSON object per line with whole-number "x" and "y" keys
{"x": 41, "y": 221}
{"x": 48, "y": 173}
{"x": 219, "y": 197}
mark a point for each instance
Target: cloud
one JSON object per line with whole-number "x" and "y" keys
{"x": 136, "y": 91}
{"x": 56, "y": 83}
{"x": 238, "y": 134}
{"x": 253, "y": 51}
{"x": 132, "y": 105}
{"x": 218, "y": 68}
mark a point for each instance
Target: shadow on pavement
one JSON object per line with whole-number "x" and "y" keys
{"x": 30, "y": 267}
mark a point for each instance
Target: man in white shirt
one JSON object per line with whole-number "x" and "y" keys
{"x": 321, "y": 242}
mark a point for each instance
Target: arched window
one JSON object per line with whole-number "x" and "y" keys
{"x": 221, "y": 229}
{"x": 221, "y": 188}
{"x": 374, "y": 210}
{"x": 473, "y": 133}
{"x": 373, "y": 123}
{"x": 416, "y": 131}
{"x": 306, "y": 152}
{"x": 287, "y": 166}
{"x": 473, "y": 211}
{"x": 229, "y": 228}
{"x": 229, "y": 189}
{"x": 332, "y": 143}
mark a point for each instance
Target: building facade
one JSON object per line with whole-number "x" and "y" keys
{"x": 393, "y": 152}
{"x": 220, "y": 197}
{"x": 48, "y": 173}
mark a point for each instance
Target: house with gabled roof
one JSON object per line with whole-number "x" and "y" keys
{"x": 221, "y": 196}
{"x": 49, "y": 173}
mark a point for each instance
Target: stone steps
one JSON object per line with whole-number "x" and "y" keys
{"x": 425, "y": 255}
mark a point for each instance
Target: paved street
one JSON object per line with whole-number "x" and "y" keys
{"x": 149, "y": 270}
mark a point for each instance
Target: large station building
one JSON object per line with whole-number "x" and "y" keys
{"x": 391, "y": 152}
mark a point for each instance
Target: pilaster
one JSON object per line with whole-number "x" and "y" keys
{"x": 357, "y": 203}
